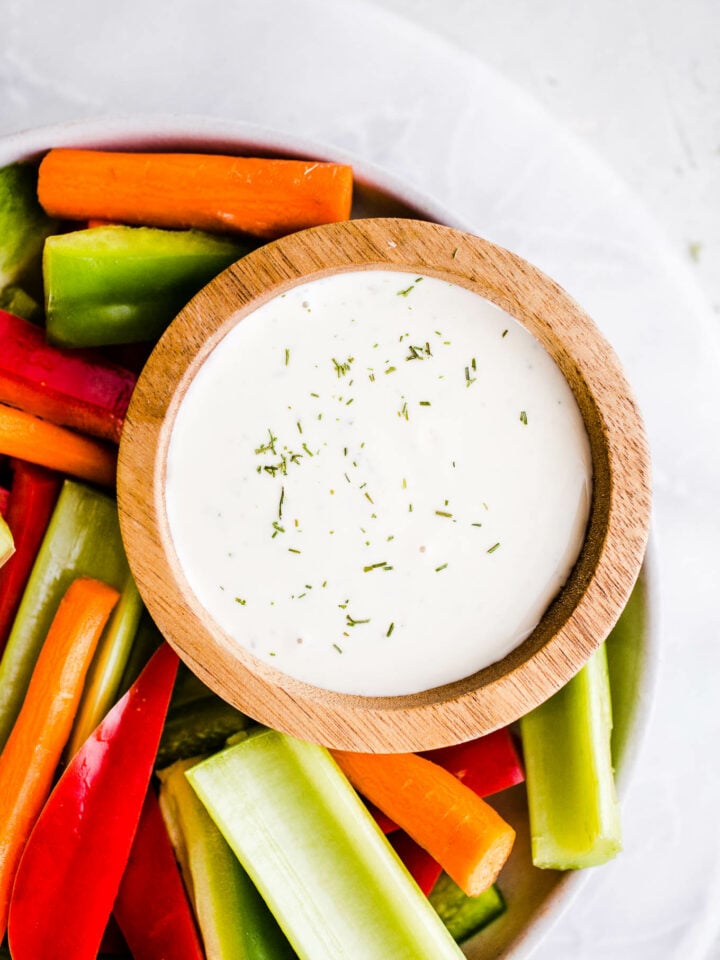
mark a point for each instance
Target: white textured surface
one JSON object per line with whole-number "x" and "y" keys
{"x": 641, "y": 81}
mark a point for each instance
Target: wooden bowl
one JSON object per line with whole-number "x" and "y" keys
{"x": 578, "y": 620}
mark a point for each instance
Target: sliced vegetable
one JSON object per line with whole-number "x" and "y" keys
{"x": 235, "y": 921}
{"x": 106, "y": 670}
{"x": 466, "y": 836}
{"x": 34, "y": 494}
{"x": 29, "y": 438}
{"x": 574, "y": 816}
{"x": 263, "y": 197}
{"x": 315, "y": 853}
{"x": 200, "y": 726}
{"x": 32, "y": 753}
{"x": 151, "y": 906}
{"x": 125, "y": 284}
{"x": 465, "y": 916}
{"x": 71, "y": 389}
{"x": 73, "y": 862}
{"x": 14, "y": 300}
{"x": 487, "y": 764}
{"x": 7, "y": 544}
{"x": 418, "y": 862}
{"x": 147, "y": 640}
{"x": 82, "y": 539}
{"x": 4, "y": 500}
{"x": 23, "y": 224}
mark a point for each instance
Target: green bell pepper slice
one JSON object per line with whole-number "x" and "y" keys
{"x": 118, "y": 284}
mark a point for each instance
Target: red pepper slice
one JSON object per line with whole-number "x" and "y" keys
{"x": 69, "y": 387}
{"x": 74, "y": 860}
{"x": 32, "y": 499}
{"x": 4, "y": 499}
{"x": 419, "y": 864}
{"x": 486, "y": 765}
{"x": 151, "y": 907}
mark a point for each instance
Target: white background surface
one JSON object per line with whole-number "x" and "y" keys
{"x": 640, "y": 82}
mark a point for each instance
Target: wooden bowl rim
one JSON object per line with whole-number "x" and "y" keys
{"x": 578, "y": 620}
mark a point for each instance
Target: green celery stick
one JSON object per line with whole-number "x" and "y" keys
{"x": 82, "y": 539}
{"x": 234, "y": 920}
{"x": 574, "y": 817}
{"x": 103, "y": 680}
{"x": 125, "y": 284}
{"x": 465, "y": 916}
{"x": 23, "y": 224}
{"x": 7, "y": 544}
{"x": 198, "y": 726}
{"x": 315, "y": 853}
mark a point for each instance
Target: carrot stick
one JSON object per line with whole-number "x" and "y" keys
{"x": 263, "y": 197}
{"x": 463, "y": 833}
{"x": 32, "y": 753}
{"x": 29, "y": 438}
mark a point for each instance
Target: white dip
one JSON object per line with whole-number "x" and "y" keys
{"x": 378, "y": 482}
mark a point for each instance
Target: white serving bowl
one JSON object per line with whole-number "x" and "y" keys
{"x": 535, "y": 898}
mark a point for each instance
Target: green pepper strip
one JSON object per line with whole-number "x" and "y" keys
{"x": 125, "y": 284}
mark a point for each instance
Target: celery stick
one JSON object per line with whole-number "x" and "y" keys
{"x": 82, "y": 539}
{"x": 234, "y": 920}
{"x": 106, "y": 670}
{"x": 7, "y": 544}
{"x": 315, "y": 853}
{"x": 574, "y": 817}
{"x": 199, "y": 726}
{"x": 465, "y": 916}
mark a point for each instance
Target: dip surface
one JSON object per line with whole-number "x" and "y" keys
{"x": 378, "y": 482}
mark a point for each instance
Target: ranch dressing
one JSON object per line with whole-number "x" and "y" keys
{"x": 377, "y": 482}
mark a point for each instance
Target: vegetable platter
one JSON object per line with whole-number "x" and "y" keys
{"x": 96, "y": 719}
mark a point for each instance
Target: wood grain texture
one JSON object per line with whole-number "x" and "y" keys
{"x": 576, "y": 623}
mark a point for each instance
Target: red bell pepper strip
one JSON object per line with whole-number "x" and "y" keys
{"x": 32, "y": 500}
{"x": 419, "y": 864}
{"x": 4, "y": 498}
{"x": 151, "y": 907}
{"x": 71, "y": 388}
{"x": 74, "y": 860}
{"x": 486, "y": 765}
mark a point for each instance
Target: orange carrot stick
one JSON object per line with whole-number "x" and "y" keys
{"x": 260, "y": 196}
{"x": 33, "y": 750}
{"x": 463, "y": 833}
{"x": 30, "y": 438}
